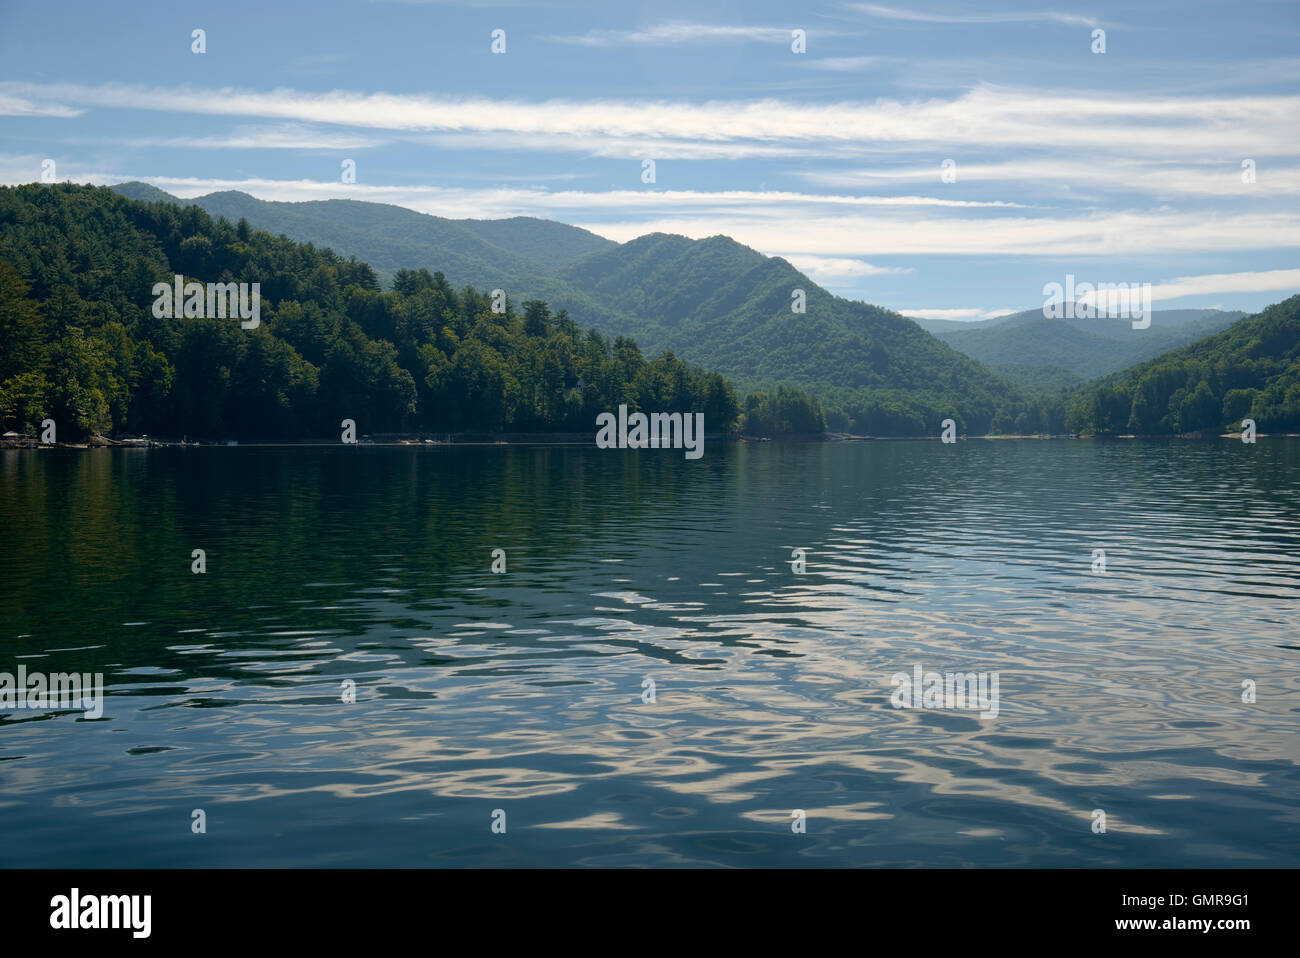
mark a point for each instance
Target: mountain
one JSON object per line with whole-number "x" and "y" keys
{"x": 392, "y": 237}
{"x": 1162, "y": 318}
{"x": 144, "y": 193}
{"x": 86, "y": 340}
{"x": 1036, "y": 352}
{"x": 713, "y": 302}
{"x": 1249, "y": 370}
{"x": 1043, "y": 380}
{"x": 729, "y": 307}
{"x": 546, "y": 243}
{"x": 520, "y": 255}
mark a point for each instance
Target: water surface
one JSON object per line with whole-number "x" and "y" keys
{"x": 523, "y": 691}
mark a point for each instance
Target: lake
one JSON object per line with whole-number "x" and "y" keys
{"x": 519, "y": 700}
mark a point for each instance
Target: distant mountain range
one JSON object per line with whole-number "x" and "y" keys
{"x": 1053, "y": 354}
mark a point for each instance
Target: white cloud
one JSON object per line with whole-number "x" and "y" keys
{"x": 1266, "y": 281}
{"x": 1048, "y": 174}
{"x": 289, "y": 136}
{"x": 675, "y": 33}
{"x": 845, "y": 64}
{"x": 838, "y": 271}
{"x": 970, "y": 315}
{"x": 619, "y": 147}
{"x": 20, "y": 106}
{"x": 794, "y": 225}
{"x": 878, "y": 233}
{"x": 1095, "y": 123}
{"x": 1132, "y": 294}
{"x": 918, "y": 16}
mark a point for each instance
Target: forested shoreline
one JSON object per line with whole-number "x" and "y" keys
{"x": 714, "y": 301}
{"x": 80, "y": 344}
{"x": 1251, "y": 370}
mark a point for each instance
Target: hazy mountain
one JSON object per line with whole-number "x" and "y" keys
{"x": 1161, "y": 318}
{"x": 1075, "y": 349}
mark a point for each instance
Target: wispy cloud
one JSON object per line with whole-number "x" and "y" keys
{"x": 289, "y": 136}
{"x": 675, "y": 33}
{"x": 969, "y": 314}
{"x": 1266, "y": 281}
{"x": 919, "y": 16}
{"x": 20, "y": 106}
{"x": 1098, "y": 123}
{"x": 846, "y": 64}
{"x": 1127, "y": 234}
{"x": 838, "y": 271}
{"x": 1035, "y": 176}
{"x": 798, "y": 226}
{"x": 633, "y": 147}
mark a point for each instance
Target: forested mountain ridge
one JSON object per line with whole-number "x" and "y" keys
{"x": 714, "y": 302}
{"x": 731, "y": 308}
{"x": 522, "y": 242}
{"x": 1249, "y": 370}
{"x": 520, "y": 255}
{"x": 80, "y": 341}
{"x": 548, "y": 243}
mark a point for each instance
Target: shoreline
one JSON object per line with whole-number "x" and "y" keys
{"x": 555, "y": 439}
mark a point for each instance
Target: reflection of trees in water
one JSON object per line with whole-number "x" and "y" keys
{"x": 306, "y": 540}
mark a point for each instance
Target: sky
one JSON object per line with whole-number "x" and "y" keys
{"x": 941, "y": 159}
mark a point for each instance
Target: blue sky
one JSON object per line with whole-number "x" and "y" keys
{"x": 1123, "y": 166}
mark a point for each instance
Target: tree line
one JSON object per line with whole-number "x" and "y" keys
{"x": 79, "y": 342}
{"x": 1251, "y": 370}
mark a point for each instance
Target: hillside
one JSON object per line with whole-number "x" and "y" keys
{"x": 1249, "y": 370}
{"x": 545, "y": 243}
{"x": 727, "y": 306}
{"x": 82, "y": 340}
{"x": 520, "y": 255}
{"x": 713, "y": 302}
{"x": 1081, "y": 349}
